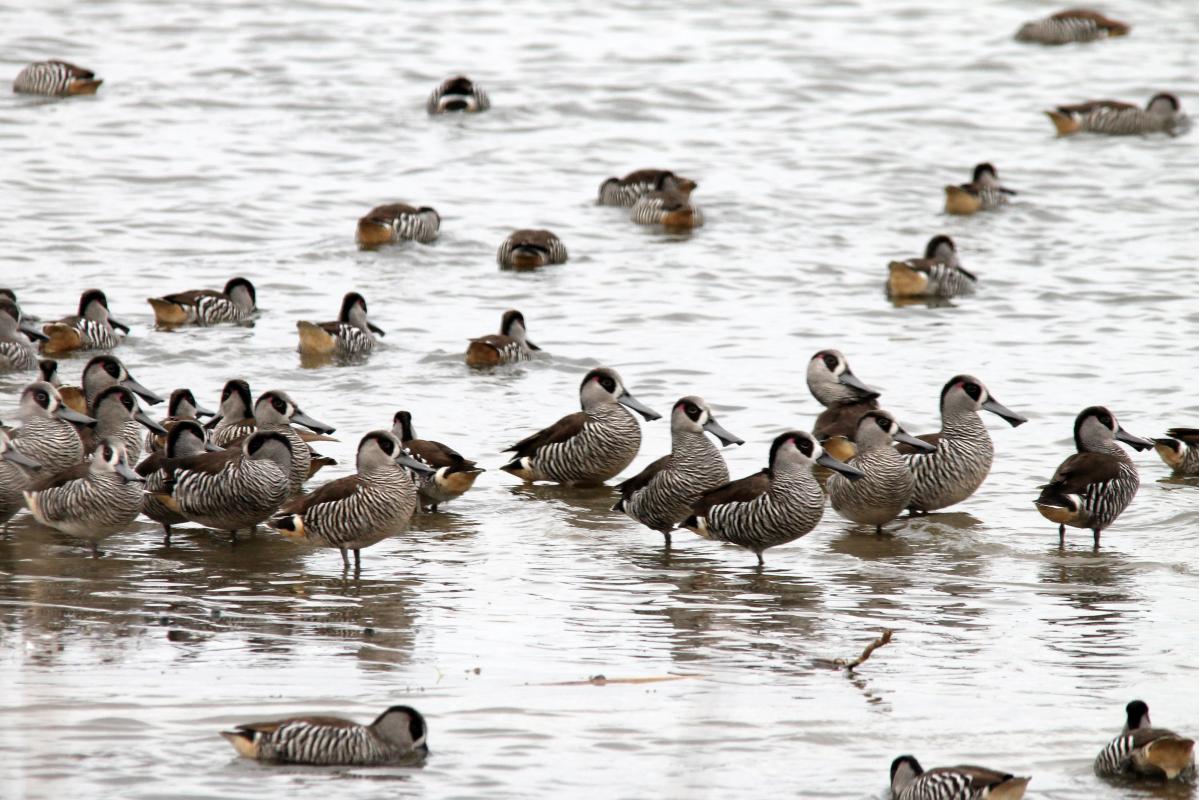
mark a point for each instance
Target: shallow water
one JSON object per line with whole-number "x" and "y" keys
{"x": 246, "y": 140}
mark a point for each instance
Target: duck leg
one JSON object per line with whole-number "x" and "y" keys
{"x": 357, "y": 560}
{"x": 166, "y": 534}
{"x": 345, "y": 559}
{"x": 1061, "y": 535}
{"x": 1096, "y": 532}
{"x": 95, "y": 550}
{"x": 666, "y": 536}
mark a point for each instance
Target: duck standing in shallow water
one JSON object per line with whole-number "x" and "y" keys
{"x": 185, "y": 439}
{"x": 509, "y": 346}
{"x": 17, "y": 353}
{"x": 181, "y": 407}
{"x": 13, "y": 478}
{"x": 670, "y": 208}
{"x": 1071, "y": 25}
{"x": 276, "y": 411}
{"x": 886, "y": 489}
{"x": 459, "y": 93}
{"x": 845, "y": 399}
{"x": 938, "y": 274}
{"x": 1180, "y": 450}
{"x": 983, "y": 193}
{"x": 1163, "y": 114}
{"x": 397, "y": 735}
{"x": 910, "y": 781}
{"x": 93, "y": 328}
{"x": 529, "y": 249}
{"x": 118, "y": 417}
{"x": 662, "y": 494}
{"x": 627, "y": 190}
{"x": 238, "y": 302}
{"x": 352, "y": 335}
{"x": 452, "y": 475}
{"x": 587, "y": 447}
{"x": 47, "y": 435}
{"x": 396, "y": 222}
{"x": 1094, "y": 486}
{"x": 1144, "y": 750}
{"x": 964, "y": 452}
{"x": 55, "y": 79}
{"x": 235, "y": 414}
{"x": 777, "y": 505}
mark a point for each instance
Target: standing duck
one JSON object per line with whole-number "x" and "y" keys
{"x": 119, "y": 418}
{"x": 358, "y": 510}
{"x": 529, "y": 249}
{"x": 661, "y": 495}
{"x": 12, "y": 478}
{"x": 777, "y": 505}
{"x": 627, "y": 190}
{"x": 938, "y": 274}
{"x": 1144, "y": 750}
{"x": 351, "y": 335}
{"x": 185, "y": 439}
{"x": 909, "y": 781}
{"x": 845, "y": 399}
{"x": 276, "y": 411}
{"x": 983, "y": 193}
{"x": 235, "y": 414}
{"x": 459, "y": 93}
{"x": 1163, "y": 114}
{"x": 395, "y": 222}
{"x": 237, "y": 303}
{"x": 46, "y": 434}
{"x": 93, "y": 499}
{"x": 452, "y": 474}
{"x": 55, "y": 79}
{"x": 182, "y": 406}
{"x": 1180, "y": 451}
{"x": 510, "y": 345}
{"x": 17, "y": 353}
{"x": 886, "y": 490}
{"x": 91, "y": 329}
{"x": 397, "y": 735}
{"x": 670, "y": 208}
{"x": 1094, "y": 486}
{"x": 587, "y": 447}
{"x": 962, "y": 458}
{"x": 1071, "y": 25}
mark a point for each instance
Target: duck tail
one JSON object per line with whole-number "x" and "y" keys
{"x": 1065, "y": 124}
{"x": 1172, "y": 755}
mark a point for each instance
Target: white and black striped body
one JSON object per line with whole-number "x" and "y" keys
{"x": 1121, "y": 119}
{"x": 509, "y": 346}
{"x": 1180, "y": 451}
{"x": 886, "y": 490}
{"x": 1144, "y": 750}
{"x": 398, "y": 735}
{"x": 1070, "y": 26}
{"x": 237, "y": 303}
{"x": 524, "y": 249}
{"x": 227, "y": 432}
{"x": 607, "y": 443}
{"x": 958, "y": 466}
{"x": 96, "y": 334}
{"x": 101, "y": 497}
{"x": 353, "y": 340}
{"x": 396, "y": 222}
{"x": 55, "y": 79}
{"x": 672, "y": 209}
{"x": 214, "y": 310}
{"x": 1101, "y": 503}
{"x": 187, "y": 438}
{"x": 46, "y": 435}
{"x": 946, "y": 280}
{"x": 244, "y": 490}
{"x": 17, "y": 353}
{"x": 301, "y": 455}
{"x": 910, "y": 781}
{"x": 627, "y": 190}
{"x": 13, "y": 479}
{"x": 457, "y": 94}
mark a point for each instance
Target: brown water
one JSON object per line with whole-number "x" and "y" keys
{"x": 246, "y": 139}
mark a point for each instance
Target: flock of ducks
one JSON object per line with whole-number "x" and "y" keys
{"x": 88, "y": 460}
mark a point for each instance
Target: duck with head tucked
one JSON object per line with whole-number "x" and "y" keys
{"x": 1071, "y": 25}
{"x": 910, "y": 781}
{"x": 938, "y": 274}
{"x": 529, "y": 249}
{"x": 93, "y": 328}
{"x": 1162, "y": 114}
{"x": 628, "y": 190}
{"x": 397, "y": 222}
{"x": 350, "y": 335}
{"x": 237, "y": 303}
{"x": 459, "y": 94}
{"x": 55, "y": 79}
{"x": 509, "y": 346}
{"x": 670, "y": 208}
{"x": 983, "y": 193}
{"x": 398, "y": 735}
{"x": 1145, "y": 751}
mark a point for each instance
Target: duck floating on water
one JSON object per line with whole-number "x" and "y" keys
{"x": 1162, "y": 114}
{"x": 983, "y": 193}
{"x": 458, "y": 94}
{"x": 1072, "y": 25}
{"x": 56, "y": 79}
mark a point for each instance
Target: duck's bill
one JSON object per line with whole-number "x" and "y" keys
{"x": 15, "y": 456}
{"x": 71, "y": 415}
{"x": 1005, "y": 190}
{"x": 144, "y": 419}
{"x": 300, "y": 418}
{"x": 126, "y": 472}
{"x": 919, "y": 444}
{"x": 1133, "y": 440}
{"x": 33, "y": 333}
{"x": 201, "y": 411}
{"x": 375, "y": 329}
{"x": 996, "y": 407}
{"x": 212, "y": 447}
{"x": 713, "y": 427}
{"x": 530, "y": 345}
{"x": 405, "y": 460}
{"x": 853, "y": 473}
{"x": 141, "y": 391}
{"x": 212, "y": 423}
{"x": 627, "y": 400}
{"x": 847, "y": 378}
{"x": 116, "y": 323}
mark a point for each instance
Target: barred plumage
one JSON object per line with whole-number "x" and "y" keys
{"x": 55, "y": 79}
{"x": 672, "y": 208}
{"x": 352, "y": 335}
{"x": 1162, "y": 115}
{"x": 185, "y": 439}
{"x": 13, "y": 478}
{"x": 938, "y": 274}
{"x": 510, "y": 345}
{"x": 46, "y": 434}
{"x": 119, "y": 417}
{"x": 457, "y": 94}
{"x": 93, "y": 328}
{"x": 452, "y": 476}
{"x": 1072, "y": 25}
{"x": 235, "y": 415}
{"x": 1180, "y": 451}
{"x": 886, "y": 490}
{"x": 983, "y": 193}
{"x": 625, "y": 191}
{"x": 238, "y": 302}
{"x": 395, "y": 222}
{"x": 399, "y": 734}
{"x": 528, "y": 249}
{"x": 276, "y": 411}
{"x": 17, "y": 353}
{"x": 1141, "y": 749}
{"x": 106, "y": 370}
{"x": 845, "y": 399}
{"x": 181, "y": 407}
{"x": 909, "y": 781}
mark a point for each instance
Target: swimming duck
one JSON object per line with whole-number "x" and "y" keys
{"x": 452, "y": 474}
{"x": 12, "y": 478}
{"x": 1163, "y": 114}
{"x": 886, "y": 490}
{"x": 627, "y": 190}
{"x": 1071, "y": 25}
{"x": 276, "y": 411}
{"x": 1144, "y": 750}
{"x": 662, "y": 494}
{"x": 397, "y": 735}
{"x": 1180, "y": 451}
{"x": 459, "y": 93}
{"x": 352, "y": 334}
{"x": 938, "y": 274}
{"x": 118, "y": 417}
{"x": 529, "y": 249}
{"x": 395, "y": 222}
{"x": 91, "y": 329}
{"x": 983, "y": 193}
{"x": 93, "y": 499}
{"x": 46, "y": 434}
{"x": 237, "y": 303}
{"x": 909, "y": 781}
{"x": 358, "y": 510}
{"x": 777, "y": 505}
{"x": 510, "y": 345}
{"x": 845, "y": 399}
{"x": 670, "y": 208}
{"x": 55, "y": 79}
{"x": 587, "y": 447}
{"x": 1094, "y": 486}
{"x": 182, "y": 406}
{"x": 186, "y": 438}
{"x": 17, "y": 353}
{"x": 962, "y": 458}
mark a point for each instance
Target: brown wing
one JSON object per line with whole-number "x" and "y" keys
{"x": 565, "y": 428}
{"x": 190, "y": 298}
{"x": 496, "y": 340}
{"x": 906, "y": 449}
{"x": 74, "y": 473}
{"x": 271, "y": 727}
{"x": 206, "y": 462}
{"x": 1188, "y": 435}
{"x": 331, "y": 492}
{"x": 639, "y": 481}
{"x": 841, "y": 420}
{"x": 76, "y": 72}
{"x": 391, "y": 211}
{"x": 741, "y": 490}
{"x": 1094, "y": 105}
{"x": 1084, "y": 469}
{"x": 646, "y": 176}
{"x": 980, "y": 777}
{"x": 437, "y": 455}
{"x": 150, "y": 464}
{"x": 532, "y": 238}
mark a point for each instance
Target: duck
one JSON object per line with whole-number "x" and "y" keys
{"x": 845, "y": 399}
{"x": 119, "y": 417}
{"x": 17, "y": 352}
{"x": 47, "y": 434}
{"x": 399, "y": 734}
{"x": 233, "y": 489}
{"x": 528, "y": 249}
{"x": 1180, "y": 450}
{"x": 1092, "y": 487}
{"x": 276, "y": 411}
{"x": 509, "y": 346}
{"x": 983, "y": 193}
{"x": 1162, "y": 114}
{"x": 395, "y": 222}
{"x": 186, "y": 438}
{"x": 48, "y": 371}
{"x": 910, "y": 781}
{"x": 181, "y": 406}
{"x": 774, "y": 506}
{"x": 626, "y": 191}
{"x": 1071, "y": 25}
{"x": 938, "y": 274}
{"x": 358, "y": 510}
{"x": 452, "y": 475}
{"x": 351, "y": 335}
{"x": 670, "y": 208}
{"x": 55, "y": 79}
{"x": 587, "y": 447}
{"x": 459, "y": 93}
{"x": 1145, "y": 751}
{"x": 963, "y": 450}
{"x": 93, "y": 499}
{"x": 238, "y": 302}
{"x": 235, "y": 414}
{"x": 99, "y": 373}
{"x": 93, "y": 328}
{"x": 662, "y": 494}
{"x": 885, "y": 491}
{"x": 13, "y": 478}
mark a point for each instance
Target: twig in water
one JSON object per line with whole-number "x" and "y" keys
{"x": 885, "y": 639}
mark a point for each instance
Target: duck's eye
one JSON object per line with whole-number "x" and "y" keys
{"x": 43, "y": 398}
{"x": 111, "y": 369}
{"x": 279, "y": 405}
{"x": 608, "y": 384}
{"x": 1105, "y": 420}
{"x": 973, "y": 390}
{"x": 830, "y": 361}
{"x": 386, "y": 446}
{"x": 885, "y": 424}
{"x": 108, "y": 454}
{"x": 692, "y": 410}
{"x": 804, "y": 446}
